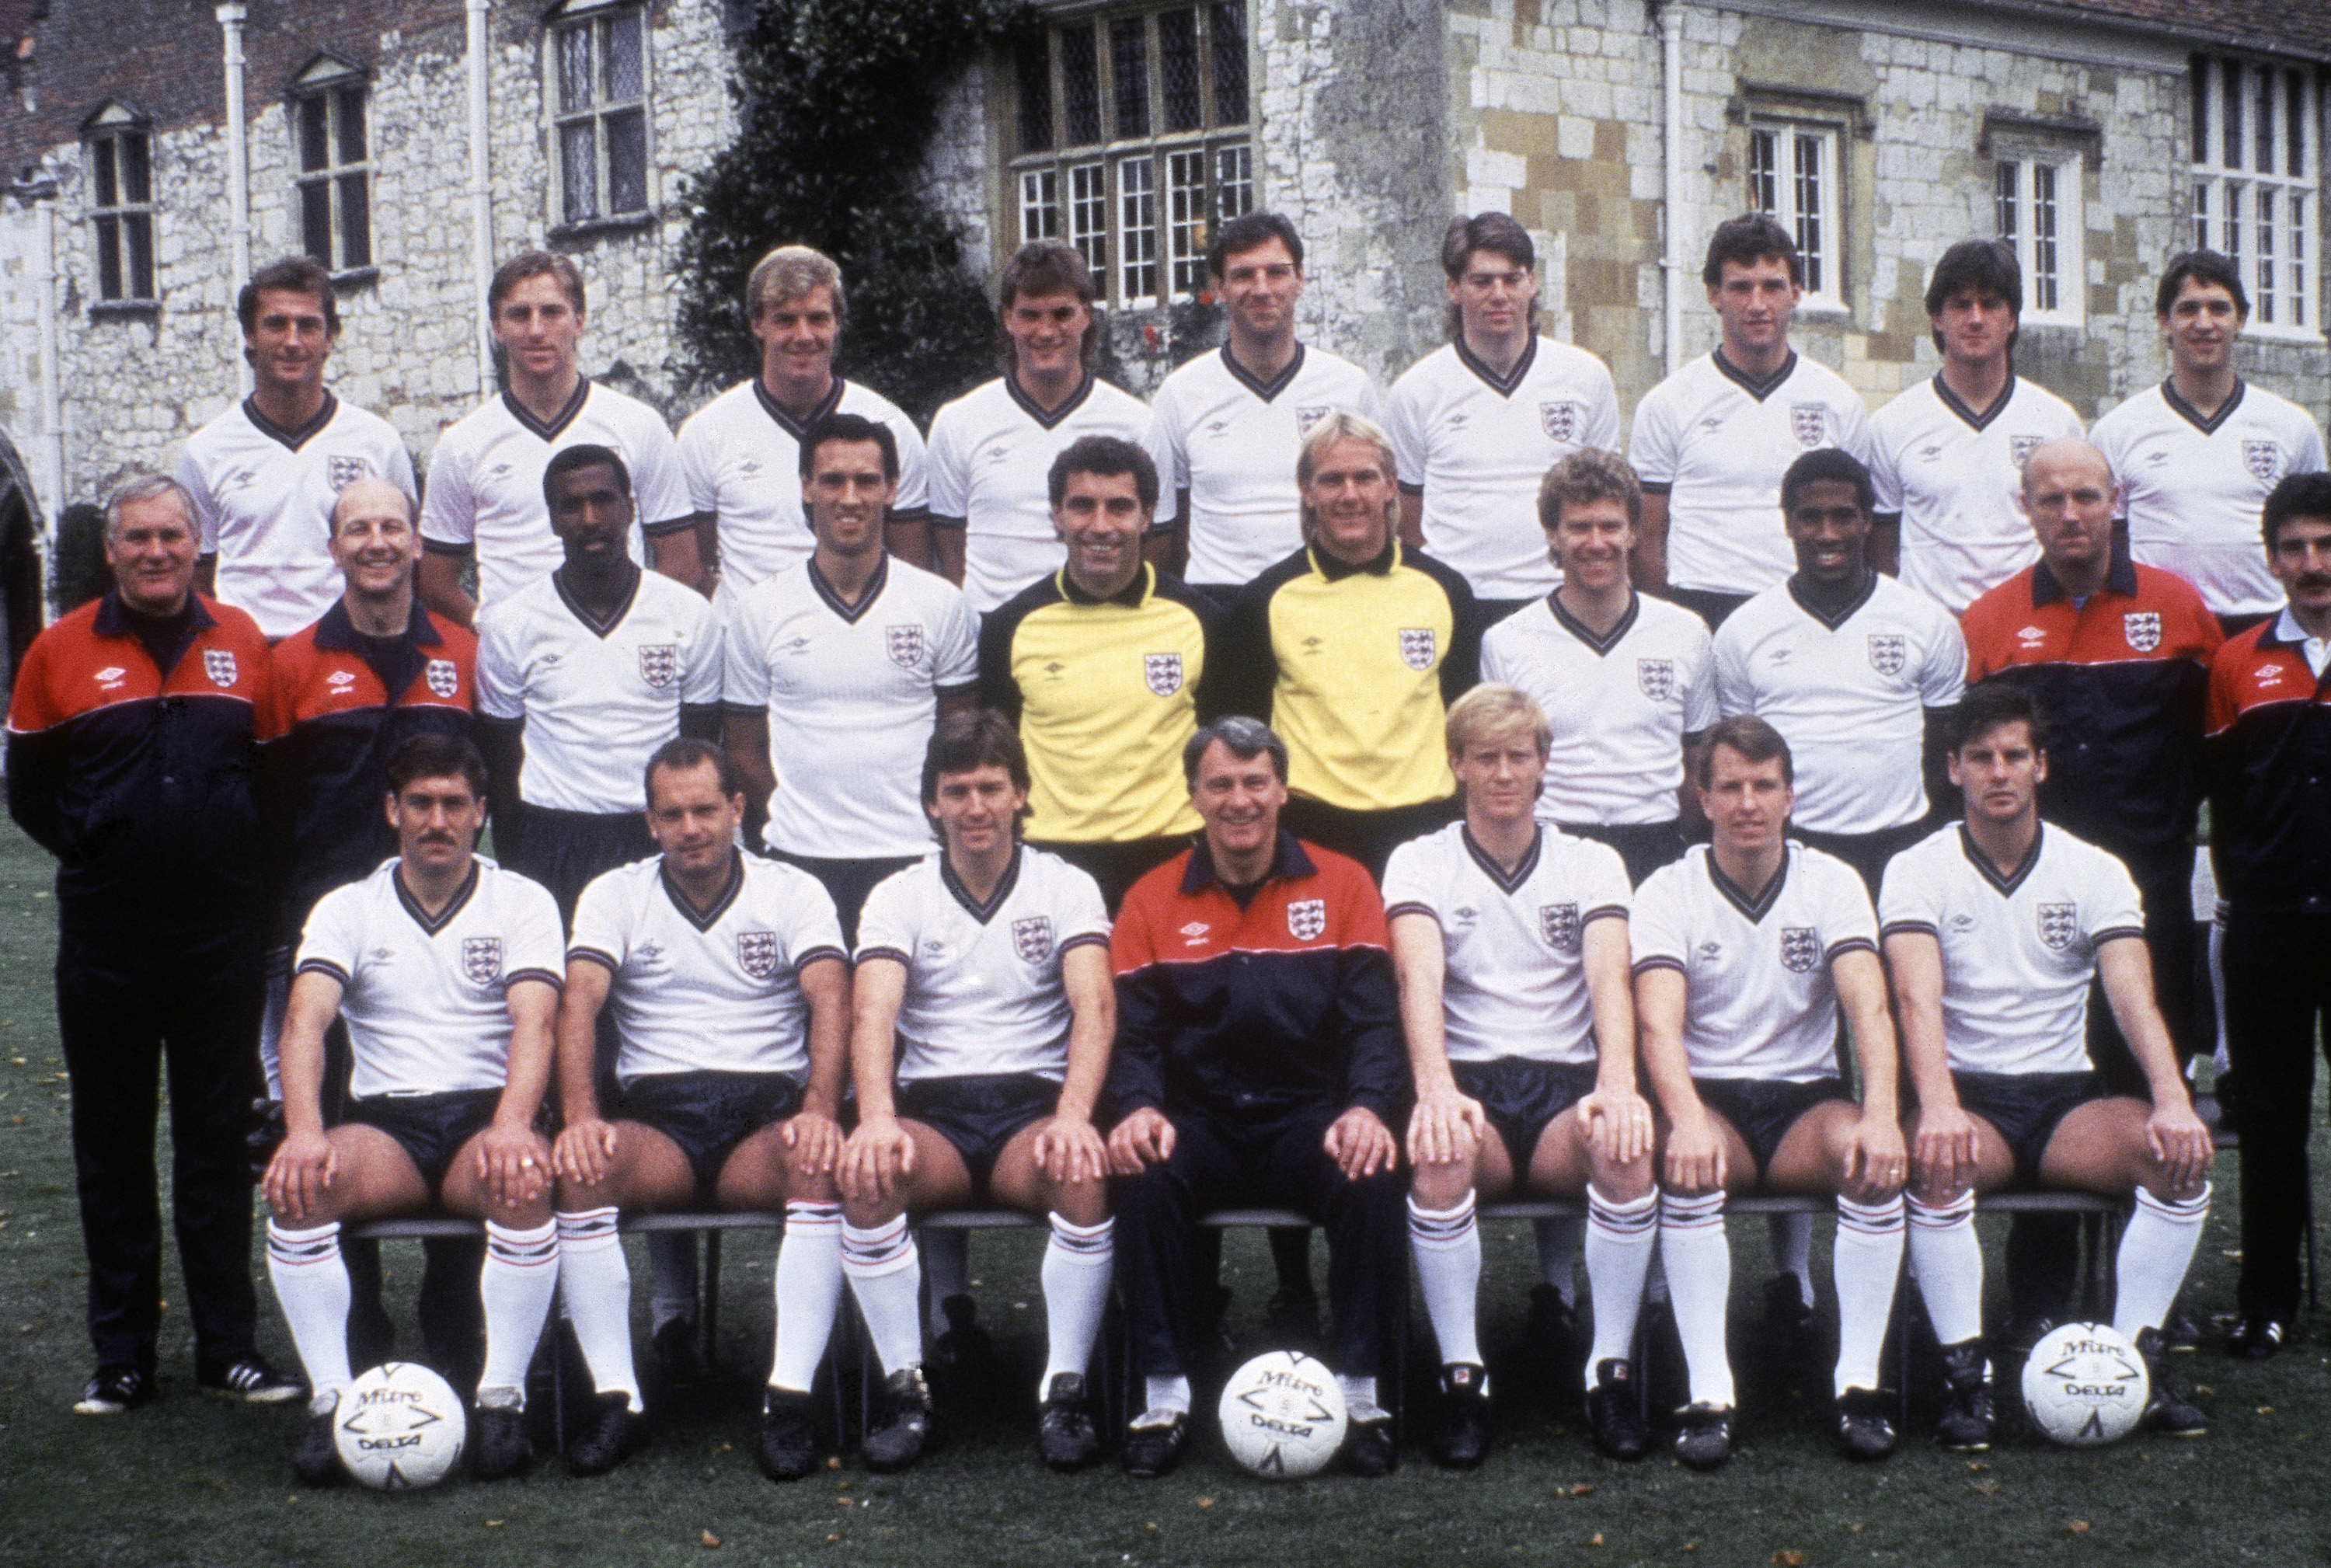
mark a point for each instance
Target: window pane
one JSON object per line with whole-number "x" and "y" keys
{"x": 1177, "y": 68}
{"x": 109, "y": 258}
{"x": 2232, "y": 228}
{"x": 1039, "y": 205}
{"x": 2006, "y": 183}
{"x": 627, "y": 161}
{"x": 1763, "y": 184}
{"x": 2268, "y": 201}
{"x": 2200, "y": 214}
{"x": 1079, "y": 85}
{"x": 1808, "y": 210}
{"x": 1137, "y": 208}
{"x": 1233, "y": 182}
{"x": 138, "y": 239}
{"x": 314, "y": 144}
{"x": 2264, "y": 153}
{"x": 626, "y": 74}
{"x": 1035, "y": 94}
{"x": 2295, "y": 159}
{"x": 356, "y": 221}
{"x": 351, "y": 103}
{"x": 578, "y": 164}
{"x": 2198, "y": 70}
{"x": 315, "y": 220}
{"x": 137, "y": 173}
{"x": 2229, "y": 113}
{"x": 1226, "y": 28}
{"x": 2299, "y": 260}
{"x": 100, "y": 160}
{"x": 1128, "y": 57}
{"x": 575, "y": 69}
{"x": 1088, "y": 219}
{"x": 2043, "y": 235}
{"x": 1185, "y": 220}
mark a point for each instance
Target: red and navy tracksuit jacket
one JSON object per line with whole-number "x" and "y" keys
{"x": 2270, "y": 725}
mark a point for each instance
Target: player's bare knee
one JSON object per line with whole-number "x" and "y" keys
{"x": 1441, "y": 1184}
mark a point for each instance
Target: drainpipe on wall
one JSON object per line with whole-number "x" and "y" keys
{"x": 39, "y": 196}
{"x": 481, "y": 200}
{"x": 238, "y": 160}
{"x": 1671, "y": 264}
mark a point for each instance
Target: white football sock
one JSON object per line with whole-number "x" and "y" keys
{"x": 672, "y": 1260}
{"x": 1447, "y": 1244}
{"x": 808, "y": 1287}
{"x": 1700, "y": 1282}
{"x": 1559, "y": 1244}
{"x": 1620, "y": 1240}
{"x": 1793, "y": 1250}
{"x": 311, "y": 1284}
{"x": 594, "y": 1281}
{"x": 1359, "y": 1397}
{"x": 885, "y": 1276}
{"x": 2156, "y": 1247}
{"x": 946, "y": 1269}
{"x": 1169, "y": 1395}
{"x": 1867, "y": 1260}
{"x": 1948, "y": 1257}
{"x": 1075, "y": 1275}
{"x": 516, "y": 1285}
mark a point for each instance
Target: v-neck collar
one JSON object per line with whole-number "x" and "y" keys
{"x": 1265, "y": 390}
{"x": 850, "y": 615}
{"x": 1508, "y": 882}
{"x": 1853, "y": 608}
{"x": 2006, "y": 885}
{"x": 978, "y": 911}
{"x": 1503, "y": 385}
{"x": 599, "y": 628}
{"x": 453, "y": 906}
{"x": 550, "y": 432}
{"x": 2207, "y": 425}
{"x": 1754, "y": 906}
{"x": 786, "y": 422}
{"x": 1585, "y": 634}
{"x": 1049, "y": 420}
{"x": 294, "y": 439}
{"x": 1965, "y": 411}
{"x": 1759, "y": 390}
{"x": 705, "y": 919}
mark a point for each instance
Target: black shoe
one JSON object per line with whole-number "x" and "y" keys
{"x": 317, "y": 1460}
{"x": 606, "y": 1439}
{"x": 1369, "y": 1447}
{"x": 679, "y": 1353}
{"x": 1464, "y": 1434}
{"x": 1292, "y": 1318}
{"x": 1864, "y": 1430}
{"x": 249, "y": 1380}
{"x": 788, "y": 1446}
{"x": 1965, "y": 1423}
{"x": 2166, "y": 1410}
{"x": 900, "y": 1442}
{"x": 115, "y": 1389}
{"x": 2024, "y": 1330}
{"x": 2181, "y": 1332}
{"x": 500, "y": 1447}
{"x": 962, "y": 1347}
{"x": 1614, "y": 1411}
{"x": 1704, "y": 1439}
{"x": 1154, "y": 1443}
{"x": 1064, "y": 1429}
{"x": 2256, "y": 1337}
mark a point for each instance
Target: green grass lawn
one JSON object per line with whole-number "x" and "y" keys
{"x": 190, "y": 1480}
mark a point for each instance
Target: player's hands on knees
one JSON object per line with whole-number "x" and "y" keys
{"x": 1445, "y": 1128}
{"x": 814, "y": 1142}
{"x": 1943, "y": 1152}
{"x": 585, "y": 1152}
{"x": 302, "y": 1172}
{"x": 1361, "y": 1145}
{"x": 1618, "y": 1123}
{"x": 514, "y": 1164}
{"x": 1143, "y": 1139}
{"x": 1069, "y": 1150}
{"x": 1695, "y": 1156}
{"x": 2180, "y": 1141}
{"x": 877, "y": 1157}
{"x": 1877, "y": 1160}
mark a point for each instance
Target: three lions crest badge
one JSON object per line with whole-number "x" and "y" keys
{"x": 1417, "y": 644}
{"x": 1162, "y": 671}
{"x": 218, "y": 664}
{"x": 2141, "y": 630}
{"x": 660, "y": 663}
{"x": 1799, "y": 948}
{"x": 2059, "y": 924}
{"x": 1888, "y": 651}
{"x": 905, "y": 644}
{"x": 756, "y": 953}
{"x": 481, "y": 959}
{"x": 1558, "y": 924}
{"x": 1032, "y": 938}
{"x": 1306, "y": 919}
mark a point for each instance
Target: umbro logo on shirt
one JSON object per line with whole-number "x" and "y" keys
{"x": 2031, "y": 637}
{"x": 1713, "y": 421}
{"x": 999, "y": 452}
{"x": 110, "y": 676}
{"x": 1457, "y": 420}
{"x": 1962, "y": 922}
{"x": 500, "y": 470}
{"x": 1930, "y": 452}
{"x": 1196, "y": 928}
{"x": 1216, "y": 427}
{"x": 341, "y": 680}
{"x": 749, "y": 467}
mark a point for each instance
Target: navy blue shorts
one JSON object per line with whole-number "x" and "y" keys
{"x": 1763, "y": 1110}
{"x": 431, "y": 1128}
{"x": 1522, "y": 1097}
{"x": 978, "y": 1113}
{"x": 2025, "y": 1106}
{"x": 707, "y": 1114}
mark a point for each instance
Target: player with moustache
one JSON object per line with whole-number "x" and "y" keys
{"x": 1509, "y": 938}
{"x": 980, "y": 1042}
{"x": 1748, "y": 951}
{"x": 1232, "y": 420}
{"x": 447, "y": 970}
{"x": 1476, "y": 423}
{"x": 1994, "y": 929}
{"x": 1712, "y": 442}
{"x": 264, "y": 474}
{"x": 729, "y": 990}
{"x": 741, "y": 452}
{"x": 485, "y": 501}
{"x": 1258, "y": 1060}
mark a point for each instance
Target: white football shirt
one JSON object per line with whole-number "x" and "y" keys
{"x": 1234, "y": 440}
{"x": 1760, "y": 1001}
{"x": 1956, "y": 477}
{"x": 1849, "y": 695}
{"x": 710, "y": 991}
{"x": 851, "y": 697}
{"x": 2191, "y": 488}
{"x": 423, "y": 998}
{"x": 596, "y": 699}
{"x": 263, "y": 499}
{"x": 1477, "y": 444}
{"x": 2018, "y": 951}
{"x": 989, "y": 467}
{"x": 983, "y": 987}
{"x": 741, "y": 454}
{"x": 485, "y": 483}
{"x": 1514, "y": 945}
{"x": 1716, "y": 443}
{"x": 1620, "y": 706}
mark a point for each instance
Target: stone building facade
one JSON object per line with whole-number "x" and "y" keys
{"x": 1619, "y": 131}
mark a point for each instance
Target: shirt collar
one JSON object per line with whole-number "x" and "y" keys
{"x": 1287, "y": 860}
{"x": 113, "y": 615}
{"x": 1335, "y": 568}
{"x": 334, "y": 629}
{"x": 2120, "y": 577}
{"x": 1133, "y": 595}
